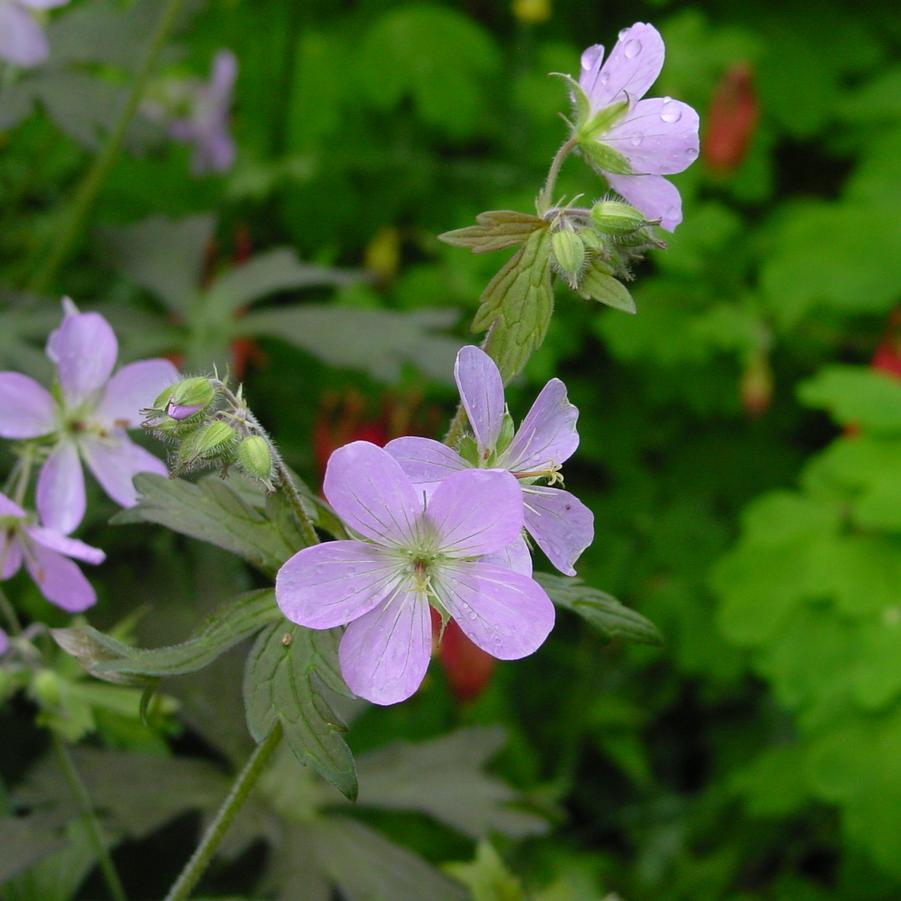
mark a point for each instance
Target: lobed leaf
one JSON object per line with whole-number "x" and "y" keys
{"x": 497, "y": 229}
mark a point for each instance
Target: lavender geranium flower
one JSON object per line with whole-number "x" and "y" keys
{"x": 405, "y": 554}
{"x": 559, "y": 522}
{"x": 656, "y": 137}
{"x": 88, "y": 416}
{"x": 4, "y": 642}
{"x": 22, "y": 41}
{"x": 46, "y": 554}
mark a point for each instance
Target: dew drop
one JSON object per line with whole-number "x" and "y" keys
{"x": 471, "y": 614}
{"x": 604, "y": 79}
{"x": 591, "y": 56}
{"x": 632, "y": 49}
{"x": 669, "y": 113}
{"x": 636, "y": 140}
{"x": 691, "y": 152}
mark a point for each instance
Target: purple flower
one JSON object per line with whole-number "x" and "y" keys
{"x": 88, "y": 417}
{"x": 657, "y": 137}
{"x": 206, "y": 127}
{"x": 22, "y": 42}
{"x": 4, "y": 642}
{"x": 408, "y": 552}
{"x": 46, "y": 554}
{"x": 559, "y": 522}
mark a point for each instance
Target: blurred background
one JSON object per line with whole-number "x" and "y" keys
{"x": 740, "y": 436}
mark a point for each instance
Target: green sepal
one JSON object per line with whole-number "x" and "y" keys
{"x": 468, "y": 449}
{"x": 581, "y": 103}
{"x": 602, "y": 121}
{"x": 605, "y": 158}
{"x": 598, "y": 284}
{"x": 508, "y": 430}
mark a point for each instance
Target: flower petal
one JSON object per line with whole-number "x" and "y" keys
{"x": 60, "y": 491}
{"x": 133, "y": 388}
{"x": 22, "y": 41}
{"x": 632, "y": 67}
{"x": 10, "y": 556}
{"x": 426, "y": 462}
{"x": 515, "y": 556}
{"x": 548, "y": 433}
{"x": 657, "y": 136}
{"x": 591, "y": 63}
{"x": 223, "y": 74}
{"x": 4, "y": 642}
{"x": 476, "y": 512}
{"x": 86, "y": 348}
{"x": 384, "y": 654}
{"x": 482, "y": 394}
{"x": 371, "y": 493}
{"x": 652, "y": 195}
{"x": 69, "y": 547}
{"x": 560, "y": 523}
{"x": 505, "y": 613}
{"x": 59, "y": 579}
{"x": 26, "y": 408}
{"x": 332, "y": 584}
{"x": 42, "y": 4}
{"x": 115, "y": 462}
{"x": 9, "y": 507}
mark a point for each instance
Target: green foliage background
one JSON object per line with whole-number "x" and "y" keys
{"x": 757, "y": 754}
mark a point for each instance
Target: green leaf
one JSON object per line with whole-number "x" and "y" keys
{"x": 497, "y": 229}
{"x": 611, "y": 618}
{"x": 487, "y": 878}
{"x": 211, "y": 510}
{"x": 222, "y": 630}
{"x": 27, "y": 839}
{"x": 853, "y": 394}
{"x": 517, "y": 305}
{"x": 598, "y": 284}
{"x": 282, "y": 683}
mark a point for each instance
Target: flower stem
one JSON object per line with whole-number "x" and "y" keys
{"x": 545, "y": 198}
{"x": 90, "y": 185}
{"x": 95, "y": 834}
{"x": 241, "y": 788}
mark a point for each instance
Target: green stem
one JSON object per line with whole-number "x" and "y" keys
{"x": 90, "y": 185}
{"x": 545, "y": 198}
{"x": 241, "y": 788}
{"x": 286, "y": 483}
{"x": 95, "y": 834}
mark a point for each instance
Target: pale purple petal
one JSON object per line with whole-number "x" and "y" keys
{"x": 426, "y": 462}
{"x": 86, "y": 348}
{"x": 658, "y": 136}
{"x": 180, "y": 411}
{"x": 332, "y": 584}
{"x": 547, "y": 435}
{"x": 591, "y": 62}
{"x": 223, "y": 76}
{"x": 651, "y": 195}
{"x": 42, "y": 4}
{"x": 133, "y": 388}
{"x": 59, "y": 579}
{"x": 26, "y": 408}
{"x": 22, "y": 41}
{"x": 506, "y": 614}
{"x": 115, "y": 462}
{"x": 560, "y": 523}
{"x": 632, "y": 67}
{"x": 482, "y": 393}
{"x": 4, "y": 642}
{"x": 515, "y": 556}
{"x": 10, "y": 555}
{"x": 52, "y": 346}
{"x": 60, "y": 491}
{"x": 384, "y": 654}
{"x": 370, "y": 492}
{"x": 69, "y": 547}
{"x": 476, "y": 512}
{"x": 9, "y": 507}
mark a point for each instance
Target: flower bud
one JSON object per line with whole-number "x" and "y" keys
{"x": 617, "y": 218}
{"x": 188, "y": 397}
{"x": 255, "y": 457}
{"x": 215, "y": 439}
{"x": 569, "y": 252}
{"x": 46, "y": 688}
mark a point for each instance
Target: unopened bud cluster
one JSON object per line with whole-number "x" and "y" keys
{"x": 209, "y": 426}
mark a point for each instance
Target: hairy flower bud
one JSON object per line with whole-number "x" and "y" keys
{"x": 569, "y": 252}
{"x": 187, "y": 398}
{"x": 617, "y": 218}
{"x": 255, "y": 457}
{"x": 215, "y": 440}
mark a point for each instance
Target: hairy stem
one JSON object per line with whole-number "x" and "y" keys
{"x": 95, "y": 834}
{"x": 240, "y": 789}
{"x": 90, "y": 185}
{"x": 545, "y": 198}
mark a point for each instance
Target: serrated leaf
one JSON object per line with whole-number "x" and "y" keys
{"x": 27, "y": 839}
{"x": 598, "y": 284}
{"x": 603, "y": 611}
{"x": 282, "y": 683}
{"x": 517, "y": 305}
{"x": 496, "y": 230}
{"x": 853, "y": 394}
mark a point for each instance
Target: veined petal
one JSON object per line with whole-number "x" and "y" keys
{"x": 133, "y": 388}
{"x": 426, "y": 462}
{"x": 560, "y": 523}
{"x": 632, "y": 67}
{"x": 26, "y": 408}
{"x": 69, "y": 547}
{"x": 60, "y": 492}
{"x": 384, "y": 654}
{"x": 59, "y": 579}
{"x": 86, "y": 348}
{"x": 9, "y": 507}
{"x": 505, "y": 613}
{"x": 515, "y": 556}
{"x": 22, "y": 41}
{"x": 332, "y": 584}
{"x": 115, "y": 461}
{"x": 476, "y": 512}
{"x": 482, "y": 394}
{"x": 657, "y": 136}
{"x": 548, "y": 433}
{"x": 652, "y": 195}
{"x": 10, "y": 556}
{"x": 370, "y": 492}
{"x": 591, "y": 62}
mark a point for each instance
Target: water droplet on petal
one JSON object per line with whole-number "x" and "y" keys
{"x": 691, "y": 152}
{"x": 472, "y": 614}
{"x": 636, "y": 140}
{"x": 632, "y": 49}
{"x": 605, "y": 77}
{"x": 591, "y": 56}
{"x": 622, "y": 33}
{"x": 670, "y": 112}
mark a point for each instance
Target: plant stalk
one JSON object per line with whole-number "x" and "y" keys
{"x": 545, "y": 198}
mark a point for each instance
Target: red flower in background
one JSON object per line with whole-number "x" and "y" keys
{"x": 887, "y": 356}
{"x": 731, "y": 120}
